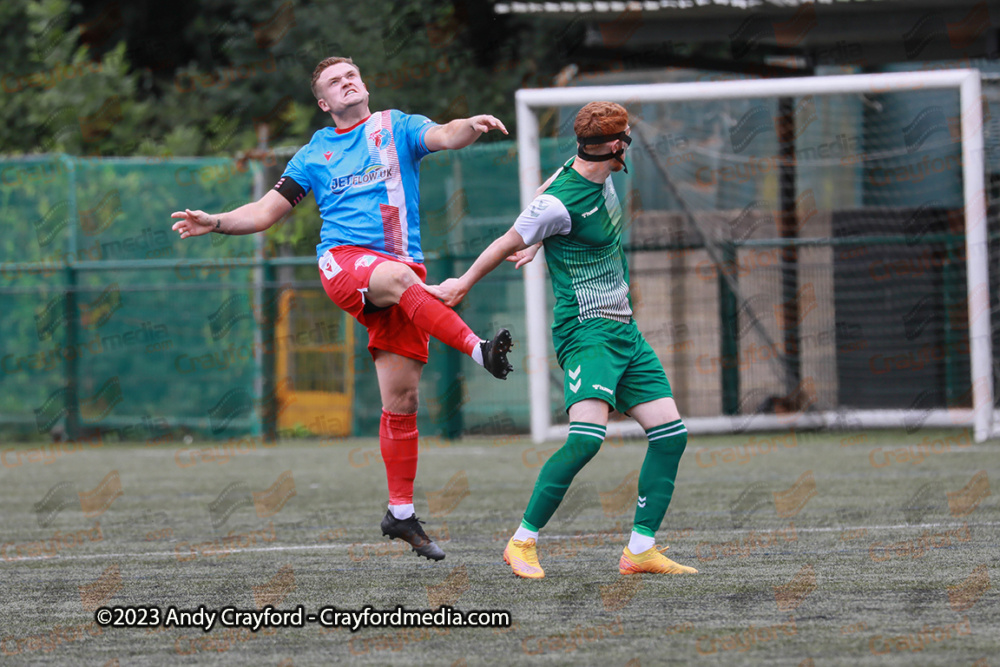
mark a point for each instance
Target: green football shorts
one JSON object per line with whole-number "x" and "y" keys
{"x": 611, "y": 361}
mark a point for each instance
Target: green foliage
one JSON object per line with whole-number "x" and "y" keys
{"x": 113, "y": 83}
{"x": 119, "y": 88}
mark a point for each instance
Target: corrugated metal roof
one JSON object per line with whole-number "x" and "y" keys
{"x": 655, "y": 5}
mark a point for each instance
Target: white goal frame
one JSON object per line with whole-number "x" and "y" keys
{"x": 981, "y": 418}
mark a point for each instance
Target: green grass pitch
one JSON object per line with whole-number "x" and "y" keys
{"x": 815, "y": 549}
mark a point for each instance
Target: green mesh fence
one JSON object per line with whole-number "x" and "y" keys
{"x": 108, "y": 317}
{"x": 115, "y": 328}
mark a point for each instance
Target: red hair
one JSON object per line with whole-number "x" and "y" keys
{"x": 600, "y": 118}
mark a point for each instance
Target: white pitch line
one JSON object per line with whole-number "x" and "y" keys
{"x": 897, "y": 526}
{"x": 301, "y": 547}
{"x": 152, "y": 554}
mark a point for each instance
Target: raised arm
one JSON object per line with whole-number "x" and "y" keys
{"x": 545, "y": 217}
{"x": 247, "y": 219}
{"x": 453, "y": 290}
{"x": 461, "y": 132}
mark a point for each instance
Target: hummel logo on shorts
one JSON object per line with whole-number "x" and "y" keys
{"x": 573, "y": 375}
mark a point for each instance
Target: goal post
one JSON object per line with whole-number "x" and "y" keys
{"x": 735, "y": 412}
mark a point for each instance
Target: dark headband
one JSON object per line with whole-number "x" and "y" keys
{"x": 603, "y": 139}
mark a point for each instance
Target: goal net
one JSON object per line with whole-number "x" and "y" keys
{"x": 804, "y": 253}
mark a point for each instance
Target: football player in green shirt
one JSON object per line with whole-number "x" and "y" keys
{"x": 605, "y": 359}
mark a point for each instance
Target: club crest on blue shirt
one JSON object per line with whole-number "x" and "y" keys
{"x": 378, "y": 136}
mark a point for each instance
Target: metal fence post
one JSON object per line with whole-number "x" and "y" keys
{"x": 269, "y": 398}
{"x": 72, "y": 396}
{"x": 452, "y": 381}
{"x": 729, "y": 353}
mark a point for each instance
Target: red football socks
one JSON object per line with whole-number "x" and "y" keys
{"x": 398, "y": 442}
{"x": 437, "y": 319}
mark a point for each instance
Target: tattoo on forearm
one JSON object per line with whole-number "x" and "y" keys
{"x": 218, "y": 226}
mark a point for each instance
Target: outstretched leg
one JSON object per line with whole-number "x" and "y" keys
{"x": 396, "y": 283}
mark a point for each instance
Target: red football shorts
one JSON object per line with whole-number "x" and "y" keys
{"x": 345, "y": 272}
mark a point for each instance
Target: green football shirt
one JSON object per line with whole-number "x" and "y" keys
{"x": 580, "y": 224}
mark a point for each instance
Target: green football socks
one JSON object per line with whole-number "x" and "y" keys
{"x": 656, "y": 478}
{"x": 583, "y": 443}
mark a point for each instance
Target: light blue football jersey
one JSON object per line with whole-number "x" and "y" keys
{"x": 366, "y": 181}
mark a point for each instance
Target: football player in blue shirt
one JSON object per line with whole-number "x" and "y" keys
{"x": 364, "y": 173}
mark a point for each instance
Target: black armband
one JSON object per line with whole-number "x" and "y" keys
{"x": 290, "y": 190}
